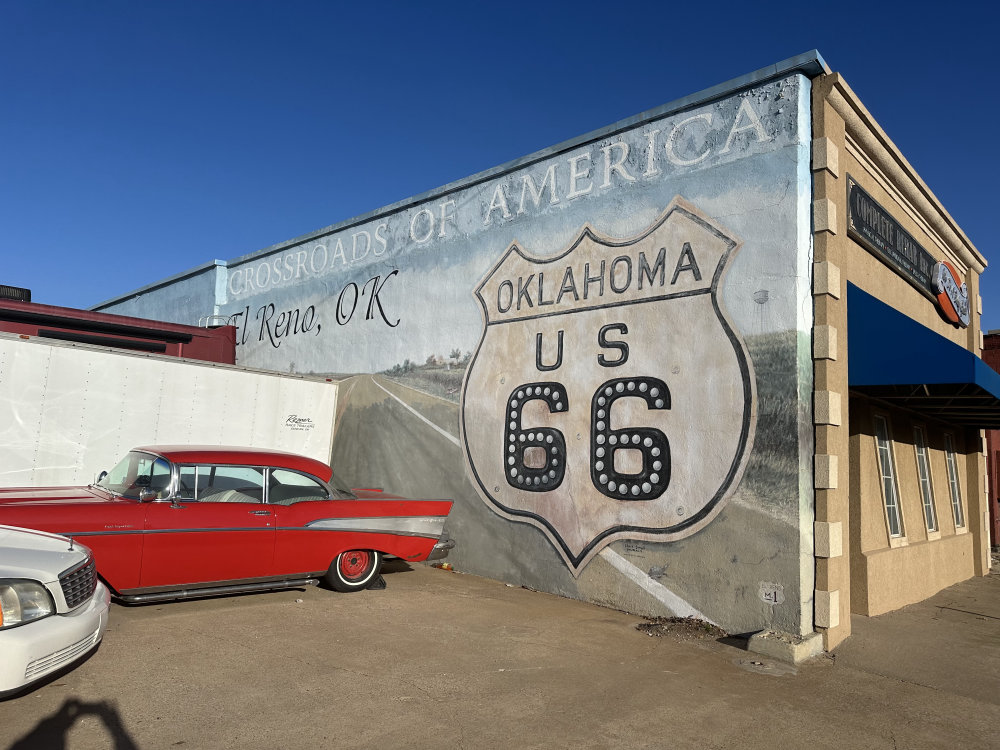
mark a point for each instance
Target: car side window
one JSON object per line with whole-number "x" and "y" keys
{"x": 136, "y": 473}
{"x": 288, "y": 487}
{"x": 159, "y": 478}
{"x": 188, "y": 480}
{"x": 209, "y": 483}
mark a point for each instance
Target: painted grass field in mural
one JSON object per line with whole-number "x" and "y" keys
{"x": 438, "y": 376}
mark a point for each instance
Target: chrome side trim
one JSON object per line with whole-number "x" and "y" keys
{"x": 236, "y": 588}
{"x": 75, "y": 534}
{"x": 428, "y": 526}
{"x": 425, "y": 526}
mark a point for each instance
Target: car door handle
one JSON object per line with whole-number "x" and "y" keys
{"x": 260, "y": 512}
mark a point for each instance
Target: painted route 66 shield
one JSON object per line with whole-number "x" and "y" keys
{"x": 610, "y": 396}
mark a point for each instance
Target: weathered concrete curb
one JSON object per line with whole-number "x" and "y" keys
{"x": 786, "y": 647}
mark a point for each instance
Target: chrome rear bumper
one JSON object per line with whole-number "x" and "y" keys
{"x": 440, "y": 550}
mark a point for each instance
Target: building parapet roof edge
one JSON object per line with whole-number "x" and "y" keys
{"x": 157, "y": 284}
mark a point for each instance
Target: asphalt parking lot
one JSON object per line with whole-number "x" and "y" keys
{"x": 445, "y": 660}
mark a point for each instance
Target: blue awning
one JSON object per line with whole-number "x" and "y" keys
{"x": 897, "y": 360}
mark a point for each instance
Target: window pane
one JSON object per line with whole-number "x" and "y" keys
{"x": 188, "y": 482}
{"x": 890, "y": 491}
{"x": 138, "y": 472}
{"x": 924, "y": 474}
{"x": 229, "y": 484}
{"x": 953, "y": 485}
{"x": 159, "y": 478}
{"x": 893, "y": 517}
{"x": 886, "y": 459}
{"x": 289, "y": 487}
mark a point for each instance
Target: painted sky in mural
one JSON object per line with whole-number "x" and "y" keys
{"x": 354, "y": 300}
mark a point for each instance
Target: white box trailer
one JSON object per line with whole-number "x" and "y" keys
{"x": 68, "y": 411}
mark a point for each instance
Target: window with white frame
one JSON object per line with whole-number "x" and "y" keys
{"x": 924, "y": 474}
{"x": 887, "y": 467}
{"x": 953, "y": 485}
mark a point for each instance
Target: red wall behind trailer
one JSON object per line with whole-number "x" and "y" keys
{"x": 104, "y": 329}
{"x": 991, "y": 356}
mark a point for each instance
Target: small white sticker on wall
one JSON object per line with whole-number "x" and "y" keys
{"x": 772, "y": 593}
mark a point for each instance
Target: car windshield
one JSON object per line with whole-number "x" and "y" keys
{"x": 136, "y": 472}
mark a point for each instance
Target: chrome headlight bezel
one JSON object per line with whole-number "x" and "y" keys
{"x": 23, "y": 601}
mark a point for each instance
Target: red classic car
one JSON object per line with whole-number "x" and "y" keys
{"x": 171, "y": 522}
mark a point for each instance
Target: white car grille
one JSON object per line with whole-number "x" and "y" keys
{"x": 62, "y": 656}
{"x": 78, "y": 583}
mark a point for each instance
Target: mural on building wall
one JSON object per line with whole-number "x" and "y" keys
{"x": 622, "y": 427}
{"x": 666, "y": 261}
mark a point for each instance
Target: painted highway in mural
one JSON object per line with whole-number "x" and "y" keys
{"x": 400, "y": 439}
{"x": 408, "y": 440}
{"x": 399, "y": 436}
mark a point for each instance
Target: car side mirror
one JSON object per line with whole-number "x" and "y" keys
{"x": 146, "y": 495}
{"x": 100, "y": 477}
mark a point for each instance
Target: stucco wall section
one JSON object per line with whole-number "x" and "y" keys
{"x": 883, "y": 573}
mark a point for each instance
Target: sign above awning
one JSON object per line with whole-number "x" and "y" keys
{"x": 899, "y": 361}
{"x": 876, "y": 229}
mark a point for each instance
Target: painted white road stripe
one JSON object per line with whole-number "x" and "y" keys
{"x": 419, "y": 416}
{"x": 678, "y": 606}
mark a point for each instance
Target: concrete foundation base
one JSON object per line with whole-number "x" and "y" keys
{"x": 786, "y": 647}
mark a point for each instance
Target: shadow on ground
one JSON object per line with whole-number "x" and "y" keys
{"x": 53, "y": 731}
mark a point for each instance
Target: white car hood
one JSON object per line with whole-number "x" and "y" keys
{"x": 37, "y": 555}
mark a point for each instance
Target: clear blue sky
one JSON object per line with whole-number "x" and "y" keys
{"x": 141, "y": 139}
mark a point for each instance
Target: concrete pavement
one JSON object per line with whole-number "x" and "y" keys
{"x": 949, "y": 643}
{"x": 445, "y": 660}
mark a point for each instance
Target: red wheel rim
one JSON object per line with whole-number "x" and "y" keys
{"x": 354, "y": 564}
